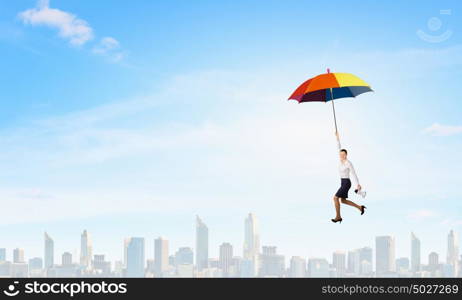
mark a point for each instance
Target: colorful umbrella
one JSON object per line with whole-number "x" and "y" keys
{"x": 330, "y": 86}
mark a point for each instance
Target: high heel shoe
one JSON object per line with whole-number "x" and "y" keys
{"x": 337, "y": 220}
{"x": 362, "y": 209}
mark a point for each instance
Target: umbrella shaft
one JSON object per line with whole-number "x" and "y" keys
{"x": 333, "y": 110}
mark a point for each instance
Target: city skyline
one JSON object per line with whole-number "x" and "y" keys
{"x": 262, "y": 262}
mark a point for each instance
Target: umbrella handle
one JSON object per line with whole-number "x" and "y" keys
{"x": 333, "y": 109}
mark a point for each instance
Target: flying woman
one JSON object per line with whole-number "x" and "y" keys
{"x": 346, "y": 170}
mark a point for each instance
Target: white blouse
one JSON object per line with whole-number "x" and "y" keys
{"x": 346, "y": 168}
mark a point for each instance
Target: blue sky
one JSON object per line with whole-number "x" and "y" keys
{"x": 129, "y": 119}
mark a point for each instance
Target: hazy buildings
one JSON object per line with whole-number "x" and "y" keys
{"x": 338, "y": 262}
{"x": 2, "y": 254}
{"x": 297, "y": 267}
{"x": 184, "y": 256}
{"x": 85, "y": 250}
{"x": 272, "y": 264}
{"x": 402, "y": 265}
{"x": 160, "y": 256}
{"x": 36, "y": 267}
{"x": 251, "y": 237}
{"x": 226, "y": 258}
{"x": 384, "y": 255}
{"x": 202, "y": 244}
{"x": 415, "y": 253}
{"x": 365, "y": 261}
{"x": 101, "y": 266}
{"x": 453, "y": 251}
{"x": 18, "y": 256}
{"x": 318, "y": 267}
{"x": 433, "y": 263}
{"x": 135, "y": 257}
{"x": 66, "y": 259}
{"x": 358, "y": 262}
{"x": 49, "y": 251}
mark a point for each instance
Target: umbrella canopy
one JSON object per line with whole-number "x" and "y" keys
{"x": 330, "y": 86}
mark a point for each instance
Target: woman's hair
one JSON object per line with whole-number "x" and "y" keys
{"x": 344, "y": 150}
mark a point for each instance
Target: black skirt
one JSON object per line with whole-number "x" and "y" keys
{"x": 344, "y": 188}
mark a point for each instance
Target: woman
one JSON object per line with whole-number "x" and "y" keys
{"x": 346, "y": 169}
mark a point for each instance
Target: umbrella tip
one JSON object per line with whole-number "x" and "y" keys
{"x": 328, "y": 70}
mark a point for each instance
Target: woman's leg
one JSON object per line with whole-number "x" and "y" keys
{"x": 337, "y": 208}
{"x": 351, "y": 203}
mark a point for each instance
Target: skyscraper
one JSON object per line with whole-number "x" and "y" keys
{"x": 318, "y": 267}
{"x": 297, "y": 267}
{"x": 2, "y": 254}
{"x": 252, "y": 243}
{"x": 184, "y": 256}
{"x": 85, "y": 249}
{"x": 453, "y": 251}
{"x": 384, "y": 255}
{"x": 18, "y": 255}
{"x": 226, "y": 258}
{"x": 160, "y": 256}
{"x": 202, "y": 244}
{"x": 135, "y": 257}
{"x": 402, "y": 264}
{"x": 66, "y": 259}
{"x": 415, "y": 253}
{"x": 272, "y": 264}
{"x": 251, "y": 237}
{"x": 338, "y": 262}
{"x": 365, "y": 261}
{"x": 49, "y": 251}
{"x": 433, "y": 263}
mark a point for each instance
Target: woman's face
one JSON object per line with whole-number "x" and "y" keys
{"x": 342, "y": 155}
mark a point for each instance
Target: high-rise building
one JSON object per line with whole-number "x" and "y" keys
{"x": 160, "y": 256}
{"x": 353, "y": 262}
{"x": 251, "y": 237}
{"x": 384, "y": 255}
{"x": 318, "y": 267}
{"x": 2, "y": 254}
{"x": 433, "y": 262}
{"x": 135, "y": 257}
{"x": 297, "y": 267}
{"x": 183, "y": 256}
{"x": 272, "y": 264}
{"x": 49, "y": 251}
{"x": 226, "y": 258}
{"x": 100, "y": 265}
{"x": 126, "y": 242}
{"x": 338, "y": 262}
{"x": 415, "y": 253}
{"x": 18, "y": 256}
{"x": 453, "y": 251}
{"x": 202, "y": 244}
{"x": 402, "y": 264}
{"x": 251, "y": 242}
{"x": 35, "y": 263}
{"x": 66, "y": 259}
{"x": 85, "y": 250}
{"x": 365, "y": 261}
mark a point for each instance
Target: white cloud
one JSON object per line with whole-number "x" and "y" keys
{"x": 69, "y": 26}
{"x": 422, "y": 214}
{"x": 437, "y": 129}
{"x": 110, "y": 48}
